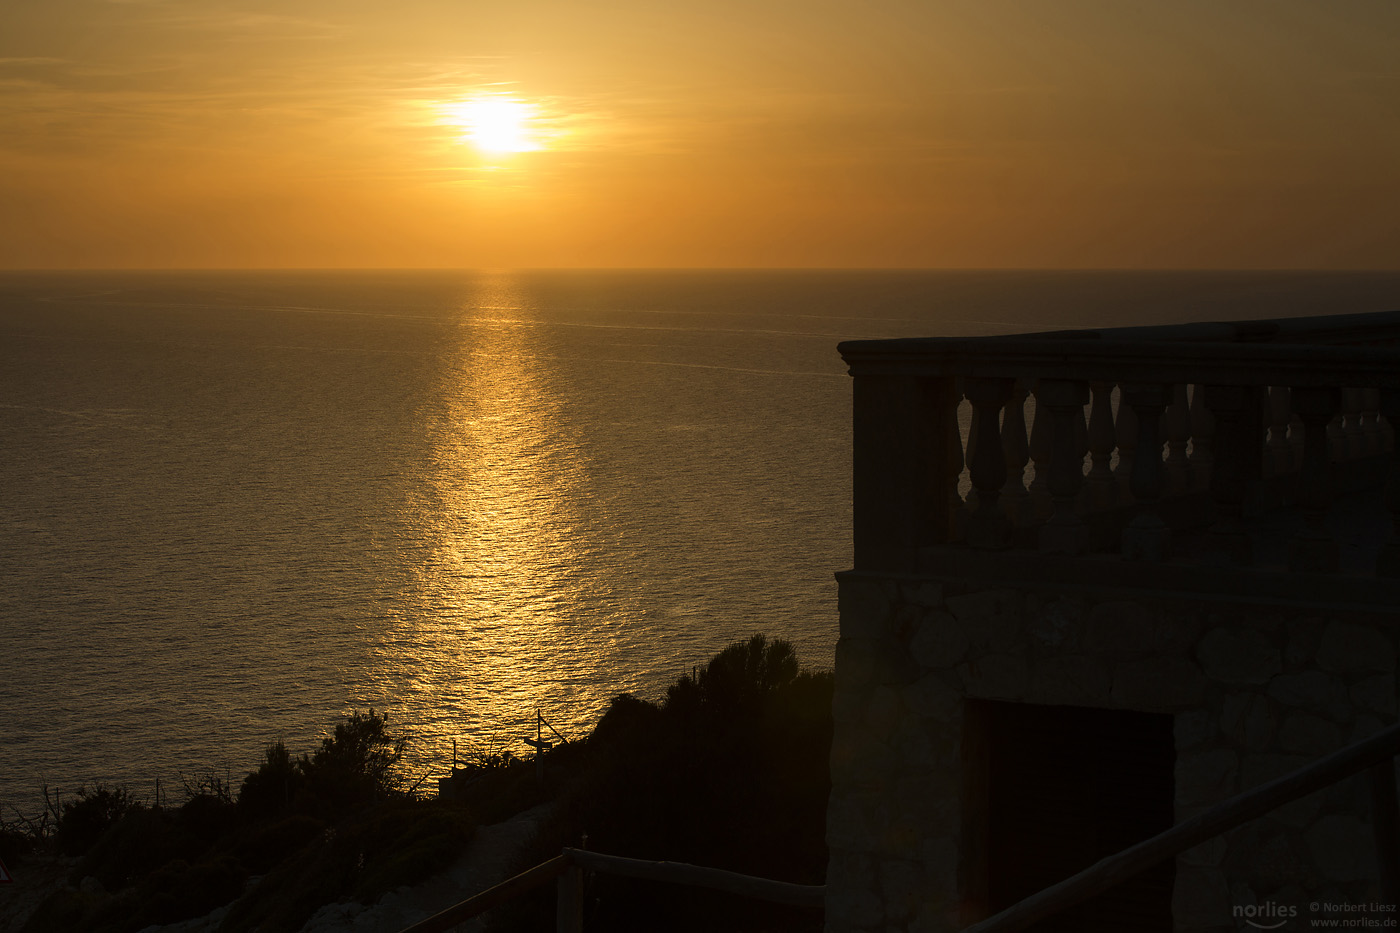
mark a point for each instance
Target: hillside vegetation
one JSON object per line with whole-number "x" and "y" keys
{"x": 728, "y": 770}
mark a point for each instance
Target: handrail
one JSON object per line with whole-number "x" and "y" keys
{"x": 766, "y": 889}
{"x": 463, "y": 911}
{"x": 1375, "y": 752}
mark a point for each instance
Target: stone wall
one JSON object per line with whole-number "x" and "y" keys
{"x": 1256, "y": 690}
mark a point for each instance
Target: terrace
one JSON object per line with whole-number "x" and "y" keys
{"x": 1167, "y": 549}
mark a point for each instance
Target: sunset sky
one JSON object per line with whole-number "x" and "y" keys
{"x": 763, "y": 133}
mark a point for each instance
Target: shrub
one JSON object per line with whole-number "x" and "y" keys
{"x": 729, "y": 772}
{"x": 14, "y": 843}
{"x": 207, "y": 817}
{"x": 83, "y": 820}
{"x": 356, "y": 765}
{"x": 737, "y": 680}
{"x": 273, "y": 786}
{"x": 21, "y": 835}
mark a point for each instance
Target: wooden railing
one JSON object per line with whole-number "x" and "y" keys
{"x": 567, "y": 869}
{"x": 1374, "y": 754}
{"x": 1134, "y": 436}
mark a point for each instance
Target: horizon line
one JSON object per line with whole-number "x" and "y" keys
{"x": 487, "y": 270}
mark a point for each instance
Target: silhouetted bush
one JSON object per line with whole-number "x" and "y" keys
{"x": 15, "y": 841}
{"x": 83, "y": 819}
{"x": 271, "y": 788}
{"x": 729, "y": 771}
{"x": 629, "y": 719}
{"x": 208, "y": 817}
{"x": 356, "y": 765}
{"x": 744, "y": 675}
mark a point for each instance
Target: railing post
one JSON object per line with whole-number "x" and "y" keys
{"x": 1229, "y": 405}
{"x": 1065, "y": 532}
{"x": 568, "y": 901}
{"x": 1385, "y": 820}
{"x": 1388, "y": 562}
{"x": 901, "y": 431}
{"x": 987, "y": 527}
{"x": 1147, "y": 536}
{"x": 1313, "y": 549}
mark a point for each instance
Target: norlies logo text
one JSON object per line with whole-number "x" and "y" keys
{"x": 1265, "y": 916}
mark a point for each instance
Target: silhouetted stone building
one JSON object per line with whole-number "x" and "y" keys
{"x": 1197, "y": 592}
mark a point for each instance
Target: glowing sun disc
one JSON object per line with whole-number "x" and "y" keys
{"x": 496, "y": 124}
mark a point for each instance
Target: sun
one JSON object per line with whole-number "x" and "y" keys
{"x": 496, "y": 124}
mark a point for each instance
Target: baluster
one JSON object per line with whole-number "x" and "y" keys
{"x": 970, "y": 497}
{"x": 1202, "y": 437}
{"x": 1388, "y": 562}
{"x": 1313, "y": 549}
{"x": 1260, "y": 499}
{"x": 1015, "y": 501}
{"x": 1227, "y": 540}
{"x": 1370, "y": 423}
{"x": 1065, "y": 532}
{"x": 1147, "y": 536}
{"x": 1389, "y": 435}
{"x": 1178, "y": 470}
{"x": 1041, "y": 452}
{"x": 987, "y": 527}
{"x": 1081, "y": 435}
{"x": 1126, "y": 430}
{"x": 1353, "y": 437}
{"x": 957, "y": 509}
{"x": 1280, "y": 460}
{"x": 1100, "y": 486}
{"x": 1336, "y": 441}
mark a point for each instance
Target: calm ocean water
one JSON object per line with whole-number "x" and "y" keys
{"x": 237, "y": 506}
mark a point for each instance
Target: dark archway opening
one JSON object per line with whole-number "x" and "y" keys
{"x": 1049, "y": 790}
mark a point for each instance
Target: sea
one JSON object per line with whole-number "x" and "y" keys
{"x": 238, "y": 506}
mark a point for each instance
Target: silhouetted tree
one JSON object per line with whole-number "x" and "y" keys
{"x": 357, "y": 764}
{"x": 273, "y": 786}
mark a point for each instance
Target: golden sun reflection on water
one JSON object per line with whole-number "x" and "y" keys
{"x": 502, "y": 580}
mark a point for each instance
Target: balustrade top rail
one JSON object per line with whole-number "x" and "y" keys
{"x": 1094, "y": 355}
{"x": 1148, "y": 442}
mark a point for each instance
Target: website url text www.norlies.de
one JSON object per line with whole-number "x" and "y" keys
{"x": 1353, "y": 923}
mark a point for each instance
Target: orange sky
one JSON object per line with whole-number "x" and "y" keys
{"x": 762, "y": 133}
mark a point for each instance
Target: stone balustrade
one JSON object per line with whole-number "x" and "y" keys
{"x": 1264, "y": 445}
{"x": 1185, "y": 524}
